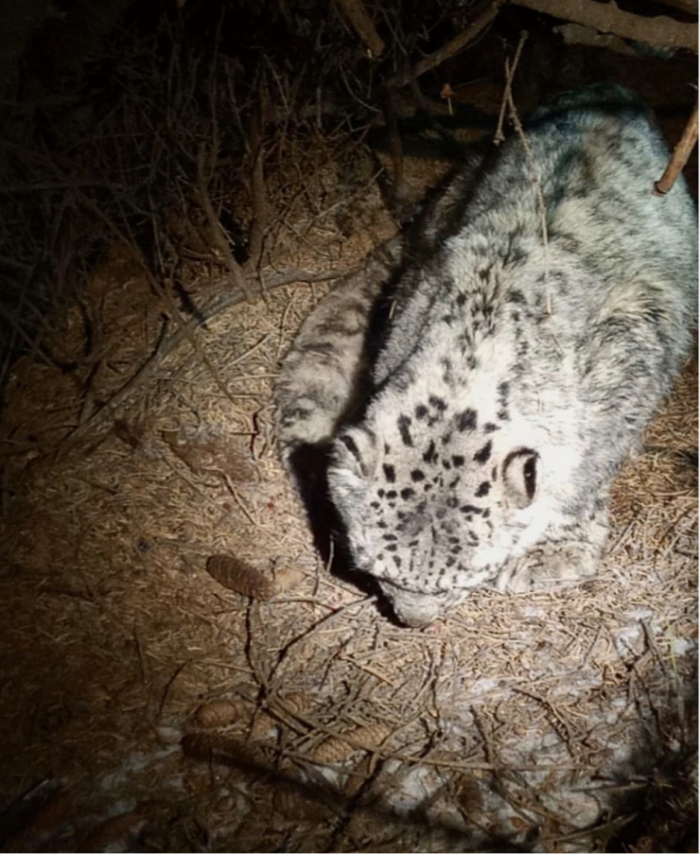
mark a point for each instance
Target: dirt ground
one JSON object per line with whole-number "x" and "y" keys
{"x": 154, "y": 699}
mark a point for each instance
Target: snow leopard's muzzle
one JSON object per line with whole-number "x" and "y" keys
{"x": 415, "y": 609}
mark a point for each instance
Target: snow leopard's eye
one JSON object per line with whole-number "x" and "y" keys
{"x": 520, "y": 476}
{"x": 530, "y": 476}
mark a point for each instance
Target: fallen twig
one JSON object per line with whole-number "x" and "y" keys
{"x": 680, "y": 155}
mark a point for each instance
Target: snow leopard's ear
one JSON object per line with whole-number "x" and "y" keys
{"x": 520, "y": 475}
{"x": 353, "y": 462}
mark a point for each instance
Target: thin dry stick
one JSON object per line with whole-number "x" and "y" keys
{"x": 499, "y": 136}
{"x": 217, "y": 231}
{"x": 191, "y": 336}
{"x": 541, "y": 204}
{"x": 258, "y": 223}
{"x": 680, "y": 155}
{"x": 164, "y": 291}
{"x": 395, "y": 148}
{"x": 459, "y": 42}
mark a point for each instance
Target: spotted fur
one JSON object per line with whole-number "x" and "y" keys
{"x": 514, "y": 371}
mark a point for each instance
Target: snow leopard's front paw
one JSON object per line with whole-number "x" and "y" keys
{"x": 323, "y": 376}
{"x": 308, "y": 413}
{"x": 550, "y": 567}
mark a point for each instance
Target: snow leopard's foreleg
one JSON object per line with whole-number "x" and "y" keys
{"x": 320, "y": 378}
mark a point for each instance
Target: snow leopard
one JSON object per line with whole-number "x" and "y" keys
{"x": 529, "y": 326}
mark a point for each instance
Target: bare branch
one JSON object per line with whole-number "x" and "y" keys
{"x": 448, "y": 50}
{"x": 660, "y": 31}
{"x": 358, "y": 16}
{"x": 690, "y": 7}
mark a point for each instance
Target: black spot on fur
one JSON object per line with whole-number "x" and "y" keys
{"x": 437, "y": 403}
{"x": 516, "y": 297}
{"x": 494, "y": 473}
{"x": 483, "y": 455}
{"x": 421, "y": 411}
{"x": 404, "y": 422}
{"x": 484, "y": 489}
{"x": 397, "y": 560}
{"x": 391, "y": 494}
{"x": 489, "y": 427}
{"x": 380, "y": 493}
{"x": 407, "y": 493}
{"x": 430, "y": 454}
{"x": 417, "y": 475}
{"x": 461, "y": 299}
{"x": 389, "y": 473}
{"x": 458, "y": 460}
{"x": 392, "y": 547}
{"x": 387, "y": 449}
{"x": 470, "y": 508}
{"x": 466, "y": 420}
{"x": 375, "y": 505}
{"x": 503, "y": 415}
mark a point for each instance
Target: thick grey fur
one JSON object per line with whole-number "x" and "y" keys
{"x": 516, "y": 370}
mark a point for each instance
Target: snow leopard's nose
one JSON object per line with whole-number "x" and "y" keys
{"x": 412, "y": 609}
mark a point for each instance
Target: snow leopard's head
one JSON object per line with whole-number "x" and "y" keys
{"x": 434, "y": 502}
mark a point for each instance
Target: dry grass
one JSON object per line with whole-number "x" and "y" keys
{"x": 511, "y": 720}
